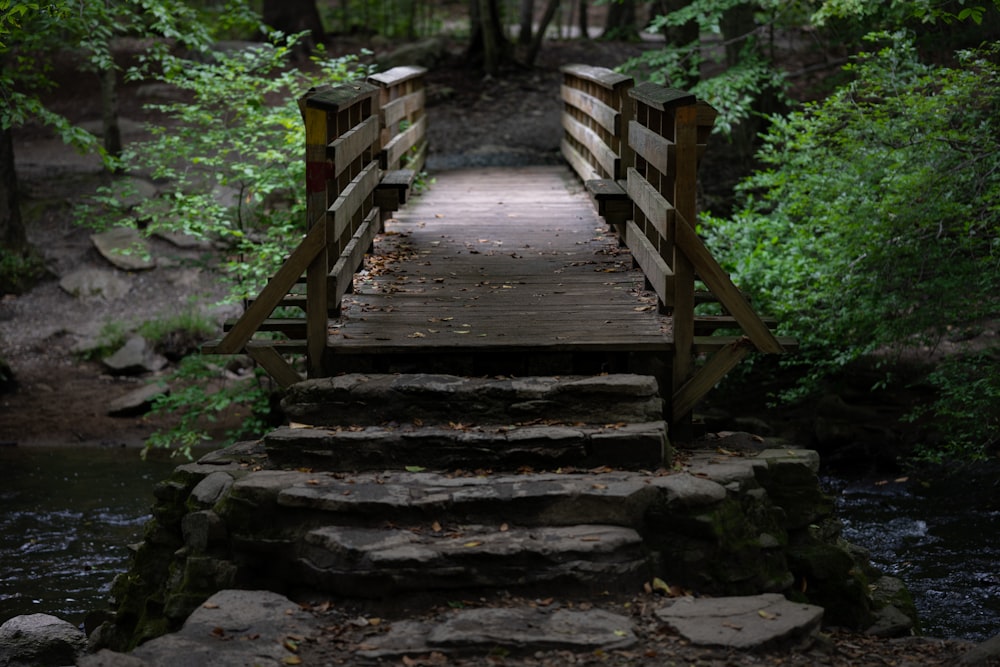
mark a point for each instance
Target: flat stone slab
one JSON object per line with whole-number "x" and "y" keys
{"x": 371, "y": 562}
{"x": 233, "y": 629}
{"x": 125, "y": 248}
{"x": 614, "y": 498}
{"x": 523, "y": 630}
{"x": 743, "y": 623}
{"x": 504, "y": 448}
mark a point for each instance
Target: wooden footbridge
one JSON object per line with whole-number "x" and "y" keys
{"x": 505, "y": 271}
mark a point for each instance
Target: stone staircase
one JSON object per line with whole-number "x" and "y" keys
{"x": 392, "y": 488}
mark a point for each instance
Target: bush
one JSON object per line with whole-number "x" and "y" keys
{"x": 875, "y": 223}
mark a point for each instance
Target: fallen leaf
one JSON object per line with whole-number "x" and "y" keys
{"x": 504, "y": 527}
{"x": 620, "y": 633}
{"x": 661, "y": 586}
{"x": 436, "y": 527}
{"x": 763, "y": 613}
{"x": 415, "y": 469}
{"x": 210, "y": 605}
{"x": 291, "y": 645}
{"x": 473, "y": 543}
{"x": 292, "y": 660}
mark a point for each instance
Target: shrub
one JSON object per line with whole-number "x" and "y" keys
{"x": 874, "y": 224}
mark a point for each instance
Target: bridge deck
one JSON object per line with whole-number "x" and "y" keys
{"x": 498, "y": 260}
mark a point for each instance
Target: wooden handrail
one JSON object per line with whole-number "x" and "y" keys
{"x": 637, "y": 148}
{"x": 343, "y": 144}
{"x": 402, "y": 99}
{"x": 596, "y": 108}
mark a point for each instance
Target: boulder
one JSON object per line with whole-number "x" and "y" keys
{"x": 40, "y": 640}
{"x": 135, "y": 358}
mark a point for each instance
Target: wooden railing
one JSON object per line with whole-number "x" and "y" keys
{"x": 402, "y": 99}
{"x": 648, "y": 192}
{"x": 346, "y": 169}
{"x": 596, "y": 112}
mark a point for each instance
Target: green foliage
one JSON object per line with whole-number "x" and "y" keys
{"x": 745, "y": 79}
{"x": 875, "y": 223}
{"x": 19, "y": 270}
{"x": 198, "y": 398}
{"x": 966, "y": 410}
{"x": 232, "y": 153}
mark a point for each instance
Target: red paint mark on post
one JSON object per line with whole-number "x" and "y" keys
{"x": 317, "y": 174}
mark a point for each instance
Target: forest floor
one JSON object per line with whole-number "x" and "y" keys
{"x": 62, "y": 400}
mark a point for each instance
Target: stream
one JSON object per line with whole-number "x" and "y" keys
{"x": 68, "y": 514}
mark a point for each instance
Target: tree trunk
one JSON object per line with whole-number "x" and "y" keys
{"x": 584, "y": 23}
{"x": 488, "y": 46}
{"x": 536, "y": 43}
{"x": 527, "y": 22}
{"x": 621, "y": 20}
{"x": 109, "y": 112}
{"x": 13, "y": 239}
{"x": 737, "y": 27}
{"x": 295, "y": 16}
{"x": 677, "y": 35}
{"x": 491, "y": 45}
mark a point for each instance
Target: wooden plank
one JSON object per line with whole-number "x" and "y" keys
{"x": 350, "y": 259}
{"x": 275, "y": 365}
{"x": 352, "y": 199}
{"x": 400, "y": 108}
{"x": 650, "y": 146}
{"x": 275, "y": 290}
{"x": 718, "y": 281}
{"x": 654, "y": 267}
{"x": 603, "y": 155}
{"x": 600, "y": 75}
{"x": 580, "y": 164}
{"x": 604, "y": 115}
{"x": 688, "y": 395}
{"x": 710, "y": 344}
{"x": 660, "y": 97}
{"x": 403, "y": 142}
{"x": 353, "y": 144}
{"x": 658, "y": 211}
{"x": 397, "y": 75}
{"x": 336, "y": 98}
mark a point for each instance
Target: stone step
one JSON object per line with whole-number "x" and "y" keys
{"x": 422, "y": 399}
{"x": 616, "y": 498}
{"x": 636, "y": 445}
{"x": 372, "y": 562}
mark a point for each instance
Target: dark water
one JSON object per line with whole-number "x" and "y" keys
{"x": 942, "y": 538}
{"x": 66, "y": 518}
